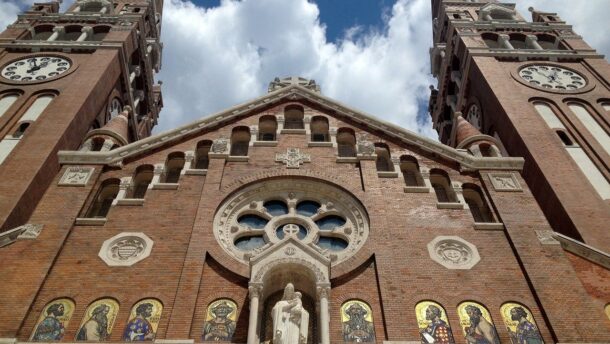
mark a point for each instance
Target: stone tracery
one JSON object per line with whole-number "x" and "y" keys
{"x": 323, "y": 217}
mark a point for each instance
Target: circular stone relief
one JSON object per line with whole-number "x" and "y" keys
{"x": 453, "y": 252}
{"x": 323, "y": 217}
{"x": 126, "y": 249}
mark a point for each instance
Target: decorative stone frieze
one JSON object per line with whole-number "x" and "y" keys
{"x": 76, "y": 176}
{"x": 220, "y": 146}
{"x": 453, "y": 252}
{"x": 126, "y": 249}
{"x": 504, "y": 181}
{"x": 293, "y": 158}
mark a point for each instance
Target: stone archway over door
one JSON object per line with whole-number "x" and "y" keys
{"x": 267, "y": 322}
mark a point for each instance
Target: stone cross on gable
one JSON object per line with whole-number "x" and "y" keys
{"x": 293, "y": 158}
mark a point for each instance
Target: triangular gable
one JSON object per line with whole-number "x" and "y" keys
{"x": 292, "y": 92}
{"x": 491, "y": 7}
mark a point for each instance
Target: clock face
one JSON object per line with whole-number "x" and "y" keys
{"x": 474, "y": 116}
{"x": 36, "y": 68}
{"x": 552, "y": 77}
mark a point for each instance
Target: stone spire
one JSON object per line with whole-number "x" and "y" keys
{"x": 116, "y": 130}
{"x": 466, "y": 135}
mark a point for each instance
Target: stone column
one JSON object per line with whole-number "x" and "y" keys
{"x": 87, "y": 146}
{"x": 307, "y": 126}
{"x": 532, "y": 42}
{"x": 425, "y": 175}
{"x": 280, "y": 125}
{"x": 255, "y": 293}
{"x": 123, "y": 187}
{"x": 159, "y": 168}
{"x": 86, "y": 33}
{"x": 457, "y": 188}
{"x": 108, "y": 143}
{"x": 58, "y": 30}
{"x": 324, "y": 322}
{"x": 189, "y": 156}
{"x": 504, "y": 41}
{"x": 333, "y": 136}
{"x": 253, "y": 135}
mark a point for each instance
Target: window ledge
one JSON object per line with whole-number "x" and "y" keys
{"x": 449, "y": 205}
{"x": 90, "y": 221}
{"x": 264, "y": 143}
{"x": 319, "y": 144}
{"x": 293, "y": 131}
{"x": 130, "y": 201}
{"x": 387, "y": 174}
{"x": 347, "y": 159}
{"x": 165, "y": 186}
{"x": 417, "y": 189}
{"x": 237, "y": 158}
{"x": 196, "y": 172}
{"x": 489, "y": 226}
{"x": 217, "y": 155}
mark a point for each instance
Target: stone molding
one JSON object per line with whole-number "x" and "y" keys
{"x": 293, "y": 158}
{"x": 453, "y": 252}
{"x": 28, "y": 231}
{"x": 466, "y": 161}
{"x": 546, "y": 237}
{"x": 126, "y": 249}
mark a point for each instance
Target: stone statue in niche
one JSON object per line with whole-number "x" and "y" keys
{"x": 290, "y": 319}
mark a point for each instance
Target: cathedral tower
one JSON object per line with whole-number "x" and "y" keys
{"x": 541, "y": 92}
{"x": 82, "y": 79}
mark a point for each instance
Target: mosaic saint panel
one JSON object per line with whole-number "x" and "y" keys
{"x": 607, "y": 310}
{"x": 98, "y": 321}
{"x": 476, "y": 323}
{"x": 433, "y": 324}
{"x": 357, "y": 320}
{"x": 220, "y": 321}
{"x": 53, "y": 320}
{"x": 143, "y": 321}
{"x": 520, "y": 324}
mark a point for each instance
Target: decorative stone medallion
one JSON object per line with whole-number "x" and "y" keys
{"x": 126, "y": 249}
{"x": 453, "y": 252}
{"x": 366, "y": 148}
{"x": 293, "y": 158}
{"x": 220, "y": 146}
{"x": 76, "y": 176}
{"x": 504, "y": 182}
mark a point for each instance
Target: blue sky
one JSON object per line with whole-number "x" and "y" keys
{"x": 371, "y": 55}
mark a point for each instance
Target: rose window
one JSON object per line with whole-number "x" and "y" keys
{"x": 321, "y": 216}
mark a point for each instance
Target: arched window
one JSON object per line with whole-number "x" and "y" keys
{"x": 100, "y": 32}
{"x": 319, "y": 129}
{"x": 21, "y": 130}
{"x": 476, "y": 202}
{"x": 585, "y": 116}
{"x": 547, "y": 41}
{"x": 240, "y": 140}
{"x": 293, "y": 117}
{"x": 564, "y": 138}
{"x": 104, "y": 197}
{"x": 202, "y": 160}
{"x": 383, "y": 161}
{"x": 410, "y": 171}
{"x": 267, "y": 127}
{"x": 491, "y": 40}
{"x": 72, "y": 32}
{"x": 97, "y": 144}
{"x": 517, "y": 40}
{"x": 6, "y": 101}
{"x": 141, "y": 180}
{"x": 346, "y": 142}
{"x": 173, "y": 167}
{"x": 37, "y": 107}
{"x": 442, "y": 186}
{"x": 487, "y": 150}
{"x": 42, "y": 32}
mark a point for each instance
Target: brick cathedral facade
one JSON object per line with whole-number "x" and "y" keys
{"x": 496, "y": 235}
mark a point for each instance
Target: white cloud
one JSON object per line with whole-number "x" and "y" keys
{"x": 217, "y": 57}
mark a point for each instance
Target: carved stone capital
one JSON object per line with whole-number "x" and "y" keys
{"x": 323, "y": 292}
{"x": 255, "y": 291}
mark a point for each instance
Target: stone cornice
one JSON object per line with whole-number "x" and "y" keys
{"x": 293, "y": 92}
{"x": 583, "y": 250}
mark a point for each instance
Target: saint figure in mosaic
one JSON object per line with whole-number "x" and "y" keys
{"x": 98, "y": 321}
{"x": 521, "y": 326}
{"x": 220, "y": 321}
{"x": 357, "y": 322}
{"x": 433, "y": 325}
{"x": 477, "y": 324}
{"x": 143, "y": 321}
{"x": 52, "y": 322}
